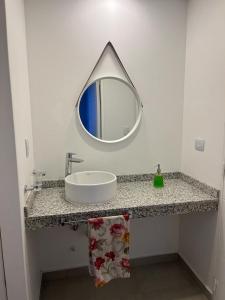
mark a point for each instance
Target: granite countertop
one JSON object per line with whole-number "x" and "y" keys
{"x": 181, "y": 195}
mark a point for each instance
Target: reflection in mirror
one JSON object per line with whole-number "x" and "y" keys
{"x": 109, "y": 109}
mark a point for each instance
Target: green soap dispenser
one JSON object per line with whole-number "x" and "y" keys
{"x": 158, "y": 181}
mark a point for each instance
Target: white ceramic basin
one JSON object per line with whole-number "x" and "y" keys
{"x": 90, "y": 187}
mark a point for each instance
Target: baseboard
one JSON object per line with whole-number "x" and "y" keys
{"x": 163, "y": 258}
{"x": 135, "y": 262}
{"x": 194, "y": 275}
{"x": 62, "y": 274}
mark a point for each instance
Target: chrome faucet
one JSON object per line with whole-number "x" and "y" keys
{"x": 69, "y": 160}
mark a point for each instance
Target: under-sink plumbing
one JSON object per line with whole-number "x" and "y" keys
{"x": 69, "y": 160}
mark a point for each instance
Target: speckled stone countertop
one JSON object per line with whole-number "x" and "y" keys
{"x": 181, "y": 195}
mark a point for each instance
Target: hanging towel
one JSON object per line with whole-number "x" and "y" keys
{"x": 109, "y": 248}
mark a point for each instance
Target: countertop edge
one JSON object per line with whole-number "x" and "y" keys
{"x": 179, "y": 208}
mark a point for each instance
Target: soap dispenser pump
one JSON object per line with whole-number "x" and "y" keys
{"x": 158, "y": 181}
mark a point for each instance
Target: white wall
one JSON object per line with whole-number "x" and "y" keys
{"x": 65, "y": 39}
{"x": 17, "y": 50}
{"x": 204, "y": 103}
{"x": 198, "y": 245}
{"x": 19, "y": 89}
{"x": 150, "y": 236}
{"x": 204, "y": 117}
{"x": 108, "y": 65}
{"x": 10, "y": 212}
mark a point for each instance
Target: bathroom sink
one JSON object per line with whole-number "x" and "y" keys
{"x": 90, "y": 187}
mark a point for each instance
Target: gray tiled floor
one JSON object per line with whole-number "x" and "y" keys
{"x": 166, "y": 281}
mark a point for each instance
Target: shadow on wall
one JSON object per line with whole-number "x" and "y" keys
{"x": 198, "y": 245}
{"x": 69, "y": 249}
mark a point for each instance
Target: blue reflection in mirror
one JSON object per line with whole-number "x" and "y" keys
{"x": 88, "y": 109}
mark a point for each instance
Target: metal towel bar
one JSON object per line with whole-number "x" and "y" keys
{"x": 75, "y": 224}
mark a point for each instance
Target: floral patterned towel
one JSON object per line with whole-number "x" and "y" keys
{"x": 109, "y": 248}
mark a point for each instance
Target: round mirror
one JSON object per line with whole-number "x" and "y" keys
{"x": 109, "y": 109}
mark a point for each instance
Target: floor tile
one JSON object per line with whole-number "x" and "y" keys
{"x": 166, "y": 281}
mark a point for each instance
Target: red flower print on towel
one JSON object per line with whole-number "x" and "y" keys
{"x": 98, "y": 263}
{"x": 126, "y": 217}
{"x": 117, "y": 229}
{"x": 109, "y": 248}
{"x": 96, "y": 223}
{"x": 92, "y": 244}
{"x": 110, "y": 255}
{"x": 125, "y": 263}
